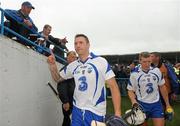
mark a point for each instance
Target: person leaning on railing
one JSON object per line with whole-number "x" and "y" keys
{"x": 20, "y": 22}
{"x": 59, "y": 44}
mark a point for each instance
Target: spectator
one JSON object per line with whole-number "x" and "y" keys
{"x": 143, "y": 88}
{"x": 177, "y": 70}
{"x": 66, "y": 91}
{"x": 20, "y": 22}
{"x": 59, "y": 43}
{"x": 90, "y": 73}
{"x": 171, "y": 80}
{"x": 122, "y": 79}
{"x": 133, "y": 65}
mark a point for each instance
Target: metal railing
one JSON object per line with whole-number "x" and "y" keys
{"x": 45, "y": 49}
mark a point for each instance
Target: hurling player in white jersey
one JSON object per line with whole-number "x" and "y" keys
{"x": 90, "y": 73}
{"x": 143, "y": 88}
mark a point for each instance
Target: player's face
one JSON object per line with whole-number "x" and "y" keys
{"x": 81, "y": 46}
{"x": 145, "y": 63}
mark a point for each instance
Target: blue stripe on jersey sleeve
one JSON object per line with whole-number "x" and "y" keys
{"x": 101, "y": 98}
{"x": 129, "y": 83}
{"x": 65, "y": 68}
{"x": 108, "y": 68}
{"x": 74, "y": 101}
{"x": 93, "y": 55}
{"x": 97, "y": 76}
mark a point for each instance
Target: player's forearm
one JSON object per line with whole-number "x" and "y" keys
{"x": 54, "y": 73}
{"x": 116, "y": 97}
{"x": 132, "y": 96}
{"x": 164, "y": 94}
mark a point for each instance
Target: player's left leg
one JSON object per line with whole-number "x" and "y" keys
{"x": 158, "y": 121}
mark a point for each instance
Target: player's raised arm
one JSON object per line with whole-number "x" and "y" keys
{"x": 53, "y": 69}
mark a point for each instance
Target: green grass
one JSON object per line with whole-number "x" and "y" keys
{"x": 127, "y": 105}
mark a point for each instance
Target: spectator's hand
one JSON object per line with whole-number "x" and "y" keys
{"x": 66, "y": 106}
{"x": 64, "y": 40}
{"x": 27, "y": 22}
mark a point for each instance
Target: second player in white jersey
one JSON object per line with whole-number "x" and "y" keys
{"x": 145, "y": 84}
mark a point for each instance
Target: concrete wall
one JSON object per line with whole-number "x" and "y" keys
{"x": 25, "y": 98}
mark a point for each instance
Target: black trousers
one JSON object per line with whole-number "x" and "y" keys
{"x": 66, "y": 119}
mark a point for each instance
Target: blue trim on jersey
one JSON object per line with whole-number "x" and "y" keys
{"x": 108, "y": 68}
{"x": 139, "y": 84}
{"x": 97, "y": 76}
{"x": 83, "y": 62}
{"x": 136, "y": 69}
{"x": 74, "y": 101}
{"x": 75, "y": 69}
{"x": 101, "y": 98}
{"x": 156, "y": 76}
{"x": 93, "y": 55}
{"x": 129, "y": 83}
{"x": 65, "y": 68}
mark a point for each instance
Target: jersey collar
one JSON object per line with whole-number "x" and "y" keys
{"x": 91, "y": 56}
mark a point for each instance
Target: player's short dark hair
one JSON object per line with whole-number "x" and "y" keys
{"x": 82, "y": 35}
{"x": 144, "y": 55}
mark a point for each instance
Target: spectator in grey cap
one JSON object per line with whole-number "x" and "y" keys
{"x": 20, "y": 22}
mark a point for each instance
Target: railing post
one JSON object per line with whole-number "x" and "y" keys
{"x": 2, "y": 22}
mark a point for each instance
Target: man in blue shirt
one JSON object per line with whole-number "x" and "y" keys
{"x": 20, "y": 22}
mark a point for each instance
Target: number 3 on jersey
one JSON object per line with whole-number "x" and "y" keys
{"x": 83, "y": 84}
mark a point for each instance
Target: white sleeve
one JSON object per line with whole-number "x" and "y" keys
{"x": 106, "y": 69}
{"x": 131, "y": 83}
{"x": 66, "y": 73}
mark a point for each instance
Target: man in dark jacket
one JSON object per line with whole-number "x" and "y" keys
{"x": 59, "y": 44}
{"x": 66, "y": 91}
{"x": 20, "y": 22}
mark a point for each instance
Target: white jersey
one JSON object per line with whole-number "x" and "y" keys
{"x": 89, "y": 76}
{"x": 145, "y": 84}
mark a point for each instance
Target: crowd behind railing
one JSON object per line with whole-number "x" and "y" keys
{"x": 21, "y": 28}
